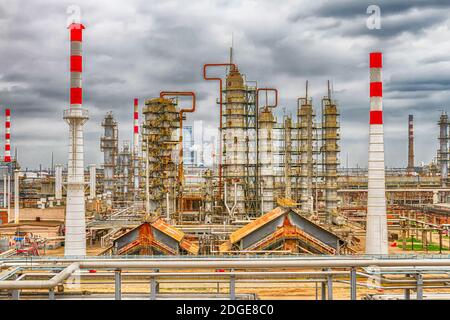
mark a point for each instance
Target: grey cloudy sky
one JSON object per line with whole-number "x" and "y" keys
{"x": 138, "y": 48}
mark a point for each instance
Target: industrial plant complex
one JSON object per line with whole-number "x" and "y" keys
{"x": 274, "y": 214}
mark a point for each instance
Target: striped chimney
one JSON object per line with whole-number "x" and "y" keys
{"x": 76, "y": 116}
{"x": 376, "y": 224}
{"x": 136, "y": 126}
{"x": 8, "y": 135}
{"x": 76, "y": 65}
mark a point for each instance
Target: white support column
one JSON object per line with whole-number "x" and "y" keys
{"x": 16, "y": 196}
{"x": 92, "y": 181}
{"x": 58, "y": 184}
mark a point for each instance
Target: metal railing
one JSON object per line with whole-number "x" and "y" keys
{"x": 405, "y": 273}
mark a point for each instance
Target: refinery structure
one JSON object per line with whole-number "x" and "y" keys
{"x": 275, "y": 197}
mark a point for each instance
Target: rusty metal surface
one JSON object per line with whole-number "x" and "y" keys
{"x": 167, "y": 229}
{"x": 256, "y": 224}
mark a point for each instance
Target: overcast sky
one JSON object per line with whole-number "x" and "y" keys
{"x": 138, "y": 48}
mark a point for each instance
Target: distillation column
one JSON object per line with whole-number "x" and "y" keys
{"x": 376, "y": 225}
{"x": 234, "y": 142}
{"x": 330, "y": 149}
{"x": 305, "y": 115}
{"x": 159, "y": 142}
{"x": 75, "y": 237}
{"x": 123, "y": 173}
{"x": 410, "y": 143}
{"x": 266, "y": 123}
{"x": 109, "y": 146}
{"x": 443, "y": 147}
{"x": 287, "y": 157}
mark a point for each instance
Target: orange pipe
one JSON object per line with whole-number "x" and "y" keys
{"x": 267, "y": 89}
{"x": 162, "y": 94}
{"x": 221, "y": 112}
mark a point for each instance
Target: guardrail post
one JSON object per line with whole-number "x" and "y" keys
{"x": 232, "y": 286}
{"x": 407, "y": 291}
{"x": 15, "y": 294}
{"x": 51, "y": 294}
{"x": 353, "y": 283}
{"x": 330, "y": 286}
{"x": 322, "y": 291}
{"x": 419, "y": 286}
{"x": 154, "y": 288}
{"x": 118, "y": 284}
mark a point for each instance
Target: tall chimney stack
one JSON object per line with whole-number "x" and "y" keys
{"x": 410, "y": 143}
{"x": 136, "y": 148}
{"x": 376, "y": 223}
{"x": 7, "y": 136}
{"x": 76, "y": 117}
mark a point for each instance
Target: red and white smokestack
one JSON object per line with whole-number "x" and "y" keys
{"x": 376, "y": 224}
{"x": 136, "y": 149}
{"x": 76, "y": 64}
{"x": 136, "y": 126}
{"x": 8, "y": 136}
{"x": 76, "y": 116}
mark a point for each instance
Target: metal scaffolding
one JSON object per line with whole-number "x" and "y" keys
{"x": 159, "y": 142}
{"x": 330, "y": 149}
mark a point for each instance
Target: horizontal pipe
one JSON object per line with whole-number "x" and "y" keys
{"x": 222, "y": 264}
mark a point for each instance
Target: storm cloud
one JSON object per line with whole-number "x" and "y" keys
{"x": 139, "y": 48}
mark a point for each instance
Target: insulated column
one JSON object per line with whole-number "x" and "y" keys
{"x": 376, "y": 224}
{"x": 76, "y": 116}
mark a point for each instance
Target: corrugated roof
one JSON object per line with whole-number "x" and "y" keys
{"x": 167, "y": 229}
{"x": 256, "y": 224}
{"x": 190, "y": 247}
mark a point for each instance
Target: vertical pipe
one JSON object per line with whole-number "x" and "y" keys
{"x": 353, "y": 284}
{"x": 58, "y": 184}
{"x": 4, "y": 191}
{"x": 92, "y": 181}
{"x": 16, "y": 196}
{"x": 8, "y": 200}
{"x": 376, "y": 230}
{"x": 232, "y": 287}
{"x": 118, "y": 285}
{"x": 419, "y": 286}
{"x": 330, "y": 286}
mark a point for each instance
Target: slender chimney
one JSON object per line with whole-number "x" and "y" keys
{"x": 410, "y": 143}
{"x": 136, "y": 149}
{"x": 8, "y": 135}
{"x": 376, "y": 224}
{"x": 76, "y": 116}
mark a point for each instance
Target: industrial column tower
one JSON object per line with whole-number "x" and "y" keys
{"x": 410, "y": 143}
{"x": 376, "y": 223}
{"x": 443, "y": 147}
{"x": 75, "y": 237}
